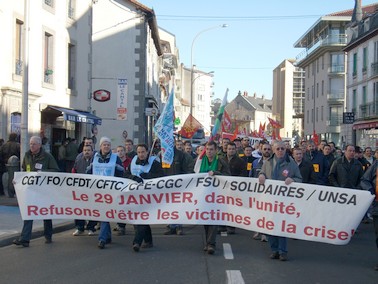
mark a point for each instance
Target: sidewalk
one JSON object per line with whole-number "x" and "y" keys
{"x": 11, "y": 222}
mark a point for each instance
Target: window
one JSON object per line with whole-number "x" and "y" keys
{"x": 376, "y": 51}
{"x": 312, "y": 115}
{"x": 49, "y": 3}
{"x": 15, "y": 122}
{"x": 317, "y": 90}
{"x": 364, "y": 95}
{"x": 308, "y": 115}
{"x": 354, "y": 64}
{"x": 323, "y": 62}
{"x": 48, "y": 67}
{"x": 18, "y": 47}
{"x": 364, "y": 60}
{"x": 354, "y": 100}
{"x": 322, "y": 87}
{"x": 71, "y": 66}
{"x": 317, "y": 114}
{"x": 200, "y": 97}
{"x": 308, "y": 94}
{"x": 322, "y": 113}
{"x": 337, "y": 63}
{"x": 71, "y": 9}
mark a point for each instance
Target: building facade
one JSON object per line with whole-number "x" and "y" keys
{"x": 249, "y": 112}
{"x": 288, "y": 98}
{"x": 324, "y": 61}
{"x": 362, "y": 83}
{"x": 94, "y": 69}
{"x": 55, "y": 58}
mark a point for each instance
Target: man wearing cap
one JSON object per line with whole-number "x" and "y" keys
{"x": 106, "y": 163}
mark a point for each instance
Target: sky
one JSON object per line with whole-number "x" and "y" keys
{"x": 260, "y": 35}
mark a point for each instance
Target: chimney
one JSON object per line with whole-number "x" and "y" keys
{"x": 254, "y": 95}
{"x": 263, "y": 96}
{"x": 357, "y": 12}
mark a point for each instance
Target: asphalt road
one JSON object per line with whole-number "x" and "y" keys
{"x": 181, "y": 259}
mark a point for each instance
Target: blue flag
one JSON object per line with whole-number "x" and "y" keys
{"x": 164, "y": 130}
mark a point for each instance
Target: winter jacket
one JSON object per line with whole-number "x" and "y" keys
{"x": 369, "y": 182}
{"x": 42, "y": 161}
{"x": 345, "y": 174}
{"x": 288, "y": 168}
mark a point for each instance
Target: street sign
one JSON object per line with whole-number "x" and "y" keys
{"x": 150, "y": 111}
{"x": 348, "y": 117}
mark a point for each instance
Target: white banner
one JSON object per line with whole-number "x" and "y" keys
{"x": 122, "y": 99}
{"x": 301, "y": 211}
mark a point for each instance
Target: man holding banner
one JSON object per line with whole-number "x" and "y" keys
{"x": 36, "y": 160}
{"x": 279, "y": 167}
{"x": 213, "y": 165}
{"x": 106, "y": 163}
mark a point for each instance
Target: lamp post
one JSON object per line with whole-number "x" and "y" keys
{"x": 191, "y": 61}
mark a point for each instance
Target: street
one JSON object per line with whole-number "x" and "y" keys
{"x": 181, "y": 259}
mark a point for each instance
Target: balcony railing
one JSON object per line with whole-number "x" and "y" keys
{"x": 369, "y": 110}
{"x": 329, "y": 40}
{"x": 335, "y": 96}
{"x": 335, "y": 120}
{"x": 336, "y": 69}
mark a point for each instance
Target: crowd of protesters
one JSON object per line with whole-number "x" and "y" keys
{"x": 322, "y": 164}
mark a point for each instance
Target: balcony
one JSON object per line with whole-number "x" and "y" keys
{"x": 368, "y": 111}
{"x": 328, "y": 41}
{"x": 335, "y": 69}
{"x": 336, "y": 97}
{"x": 333, "y": 124}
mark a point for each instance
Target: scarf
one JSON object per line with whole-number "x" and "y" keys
{"x": 206, "y": 166}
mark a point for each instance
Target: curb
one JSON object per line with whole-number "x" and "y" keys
{"x": 37, "y": 233}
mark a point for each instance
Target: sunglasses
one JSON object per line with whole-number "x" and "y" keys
{"x": 280, "y": 148}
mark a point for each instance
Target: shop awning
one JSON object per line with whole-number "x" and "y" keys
{"x": 74, "y": 115}
{"x": 365, "y": 124}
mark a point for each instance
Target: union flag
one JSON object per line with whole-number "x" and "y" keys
{"x": 191, "y": 125}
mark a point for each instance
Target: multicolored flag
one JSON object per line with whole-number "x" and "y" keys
{"x": 226, "y": 123}
{"x": 219, "y": 116}
{"x": 191, "y": 125}
{"x": 164, "y": 130}
{"x": 214, "y": 132}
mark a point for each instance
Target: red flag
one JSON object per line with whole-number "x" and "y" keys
{"x": 275, "y": 124}
{"x": 263, "y": 127}
{"x": 226, "y": 122}
{"x": 273, "y": 134}
{"x": 191, "y": 125}
{"x": 315, "y": 138}
{"x": 235, "y": 133}
{"x": 260, "y": 130}
{"x": 278, "y": 135}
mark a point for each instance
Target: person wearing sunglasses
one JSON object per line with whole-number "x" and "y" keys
{"x": 279, "y": 167}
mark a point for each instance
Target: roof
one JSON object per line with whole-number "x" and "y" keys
{"x": 151, "y": 19}
{"x": 341, "y": 16}
{"x": 259, "y": 104}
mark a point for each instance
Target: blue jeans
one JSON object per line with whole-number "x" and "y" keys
{"x": 278, "y": 244}
{"x": 105, "y": 232}
{"x": 26, "y": 232}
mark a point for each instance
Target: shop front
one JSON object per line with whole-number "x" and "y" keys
{"x": 366, "y": 133}
{"x": 59, "y": 123}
